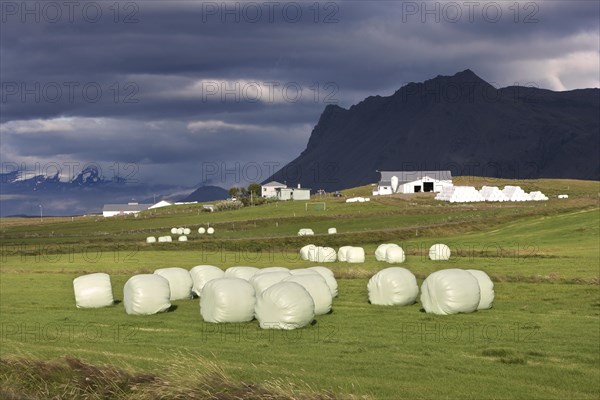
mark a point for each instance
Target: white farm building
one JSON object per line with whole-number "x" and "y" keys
{"x": 270, "y": 189}
{"x": 111, "y": 210}
{"x": 412, "y": 182}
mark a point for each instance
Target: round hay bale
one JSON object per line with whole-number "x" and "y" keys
{"x": 486, "y": 289}
{"x": 182, "y": 238}
{"x": 227, "y": 300}
{"x": 393, "y": 286}
{"x": 332, "y": 231}
{"x": 381, "y": 249}
{"x": 146, "y": 294}
{"x": 204, "y": 273}
{"x": 284, "y": 305}
{"x": 180, "y": 282}
{"x": 180, "y": 231}
{"x": 341, "y": 254}
{"x": 439, "y": 252}
{"x": 306, "y": 251}
{"x": 244, "y": 273}
{"x": 201, "y": 230}
{"x": 150, "y": 239}
{"x": 187, "y": 231}
{"x": 317, "y": 287}
{"x": 323, "y": 254}
{"x": 394, "y": 255}
{"x": 305, "y": 232}
{"x": 355, "y": 255}
{"x": 450, "y": 291}
{"x": 93, "y": 291}
{"x": 261, "y": 282}
{"x": 329, "y": 277}
{"x": 303, "y": 271}
{"x": 173, "y": 231}
{"x": 210, "y": 231}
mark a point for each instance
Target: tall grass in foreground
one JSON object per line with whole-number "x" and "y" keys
{"x": 72, "y": 378}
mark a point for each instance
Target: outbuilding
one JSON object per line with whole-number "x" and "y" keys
{"x": 111, "y": 210}
{"x": 412, "y": 182}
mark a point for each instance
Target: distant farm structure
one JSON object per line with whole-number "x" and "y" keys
{"x": 392, "y": 182}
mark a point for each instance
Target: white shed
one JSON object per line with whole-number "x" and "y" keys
{"x": 111, "y": 210}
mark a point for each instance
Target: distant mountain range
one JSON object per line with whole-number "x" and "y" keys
{"x": 25, "y": 193}
{"x": 459, "y": 123}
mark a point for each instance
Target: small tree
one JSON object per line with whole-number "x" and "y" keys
{"x": 234, "y": 191}
{"x": 254, "y": 188}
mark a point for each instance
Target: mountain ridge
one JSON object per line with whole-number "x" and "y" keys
{"x": 461, "y": 123}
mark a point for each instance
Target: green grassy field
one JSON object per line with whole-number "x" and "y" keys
{"x": 539, "y": 341}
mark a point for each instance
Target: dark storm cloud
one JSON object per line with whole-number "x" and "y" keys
{"x": 156, "y": 65}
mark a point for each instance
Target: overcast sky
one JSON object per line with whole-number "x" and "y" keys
{"x": 201, "y": 91}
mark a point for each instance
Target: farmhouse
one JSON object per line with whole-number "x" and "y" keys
{"x": 270, "y": 189}
{"x": 110, "y": 210}
{"x": 412, "y": 182}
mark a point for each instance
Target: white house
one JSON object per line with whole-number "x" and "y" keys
{"x": 270, "y": 189}
{"x": 110, "y": 210}
{"x": 160, "y": 204}
{"x": 412, "y": 182}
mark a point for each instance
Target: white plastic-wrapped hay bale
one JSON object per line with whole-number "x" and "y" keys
{"x": 187, "y": 231}
{"x": 563, "y": 196}
{"x": 146, "y": 294}
{"x": 173, "y": 231}
{"x": 164, "y": 239}
{"x": 329, "y": 277}
{"x": 261, "y": 282}
{"x": 450, "y": 291}
{"x": 355, "y": 255}
{"x": 168, "y": 239}
{"x": 244, "y": 273}
{"x": 180, "y": 282}
{"x": 268, "y": 270}
{"x": 394, "y": 286}
{"x": 515, "y": 193}
{"x": 341, "y": 254}
{"x": 227, "y": 300}
{"x": 210, "y": 231}
{"x": 284, "y": 305}
{"x": 537, "y": 196}
{"x": 201, "y": 230}
{"x": 306, "y": 251}
{"x": 439, "y": 252}
{"x": 394, "y": 255}
{"x": 182, "y": 238}
{"x": 305, "y": 232}
{"x": 317, "y": 287}
{"x": 180, "y": 231}
{"x": 381, "y": 249}
{"x": 324, "y": 254}
{"x": 332, "y": 231}
{"x": 93, "y": 291}
{"x": 201, "y": 274}
{"x": 150, "y": 239}
{"x": 486, "y": 289}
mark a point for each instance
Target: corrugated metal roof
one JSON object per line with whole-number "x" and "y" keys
{"x": 126, "y": 207}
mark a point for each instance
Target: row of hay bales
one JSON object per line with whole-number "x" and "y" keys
{"x": 444, "y": 292}
{"x": 280, "y": 298}
{"x": 388, "y": 252}
{"x": 310, "y": 232}
{"x": 468, "y": 194}
{"x": 277, "y": 297}
{"x": 183, "y": 232}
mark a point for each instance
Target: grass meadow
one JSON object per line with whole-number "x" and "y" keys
{"x": 539, "y": 341}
